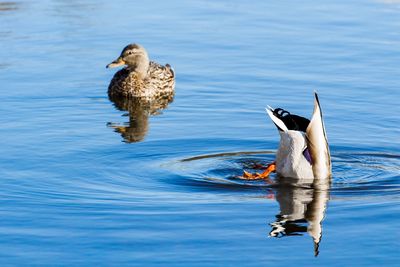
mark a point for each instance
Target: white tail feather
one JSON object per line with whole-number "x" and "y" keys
{"x": 276, "y": 120}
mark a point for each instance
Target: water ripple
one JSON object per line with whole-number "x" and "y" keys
{"x": 360, "y": 174}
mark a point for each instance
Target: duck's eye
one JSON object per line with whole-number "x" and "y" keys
{"x": 131, "y": 52}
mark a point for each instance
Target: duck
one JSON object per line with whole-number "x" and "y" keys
{"x": 140, "y": 77}
{"x": 303, "y": 150}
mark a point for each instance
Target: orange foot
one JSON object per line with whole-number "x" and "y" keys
{"x": 264, "y": 175}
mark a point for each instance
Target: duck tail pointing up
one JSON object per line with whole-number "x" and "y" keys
{"x": 277, "y": 121}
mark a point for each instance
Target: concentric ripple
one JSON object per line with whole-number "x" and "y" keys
{"x": 355, "y": 174}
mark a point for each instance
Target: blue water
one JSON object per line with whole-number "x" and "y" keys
{"x": 75, "y": 190}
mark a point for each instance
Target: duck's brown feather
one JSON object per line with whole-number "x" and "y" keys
{"x": 159, "y": 82}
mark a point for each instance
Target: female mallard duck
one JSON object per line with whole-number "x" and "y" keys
{"x": 141, "y": 78}
{"x": 303, "y": 149}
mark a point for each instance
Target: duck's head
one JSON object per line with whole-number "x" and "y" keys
{"x": 136, "y": 59}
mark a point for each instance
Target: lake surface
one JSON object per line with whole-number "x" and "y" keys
{"x": 85, "y": 183}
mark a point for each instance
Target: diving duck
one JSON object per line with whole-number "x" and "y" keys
{"x": 140, "y": 78}
{"x": 303, "y": 148}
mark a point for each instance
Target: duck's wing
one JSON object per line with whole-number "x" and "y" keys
{"x": 317, "y": 143}
{"x": 161, "y": 77}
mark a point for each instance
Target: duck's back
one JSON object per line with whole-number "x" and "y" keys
{"x": 160, "y": 80}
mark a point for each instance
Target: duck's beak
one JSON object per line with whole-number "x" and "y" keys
{"x": 116, "y": 63}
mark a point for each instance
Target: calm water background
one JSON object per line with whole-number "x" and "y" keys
{"x": 75, "y": 192}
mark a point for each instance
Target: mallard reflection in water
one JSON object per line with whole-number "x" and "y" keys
{"x": 302, "y": 209}
{"x": 140, "y": 78}
{"x": 139, "y": 111}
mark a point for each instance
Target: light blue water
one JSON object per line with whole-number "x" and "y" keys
{"x": 75, "y": 191}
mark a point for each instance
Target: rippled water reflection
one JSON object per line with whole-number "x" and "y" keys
{"x": 302, "y": 203}
{"x": 139, "y": 111}
{"x": 73, "y": 194}
{"x": 367, "y": 172}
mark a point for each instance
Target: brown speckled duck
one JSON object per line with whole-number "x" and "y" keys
{"x": 140, "y": 78}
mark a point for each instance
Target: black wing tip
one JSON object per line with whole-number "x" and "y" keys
{"x": 316, "y": 97}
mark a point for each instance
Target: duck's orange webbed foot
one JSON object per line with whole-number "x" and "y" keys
{"x": 264, "y": 175}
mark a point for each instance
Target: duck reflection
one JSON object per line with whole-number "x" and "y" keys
{"x": 139, "y": 111}
{"x": 8, "y": 6}
{"x": 302, "y": 209}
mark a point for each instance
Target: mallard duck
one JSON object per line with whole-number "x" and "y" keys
{"x": 303, "y": 149}
{"x": 140, "y": 78}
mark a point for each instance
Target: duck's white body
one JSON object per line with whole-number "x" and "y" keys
{"x": 303, "y": 149}
{"x": 290, "y": 161}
